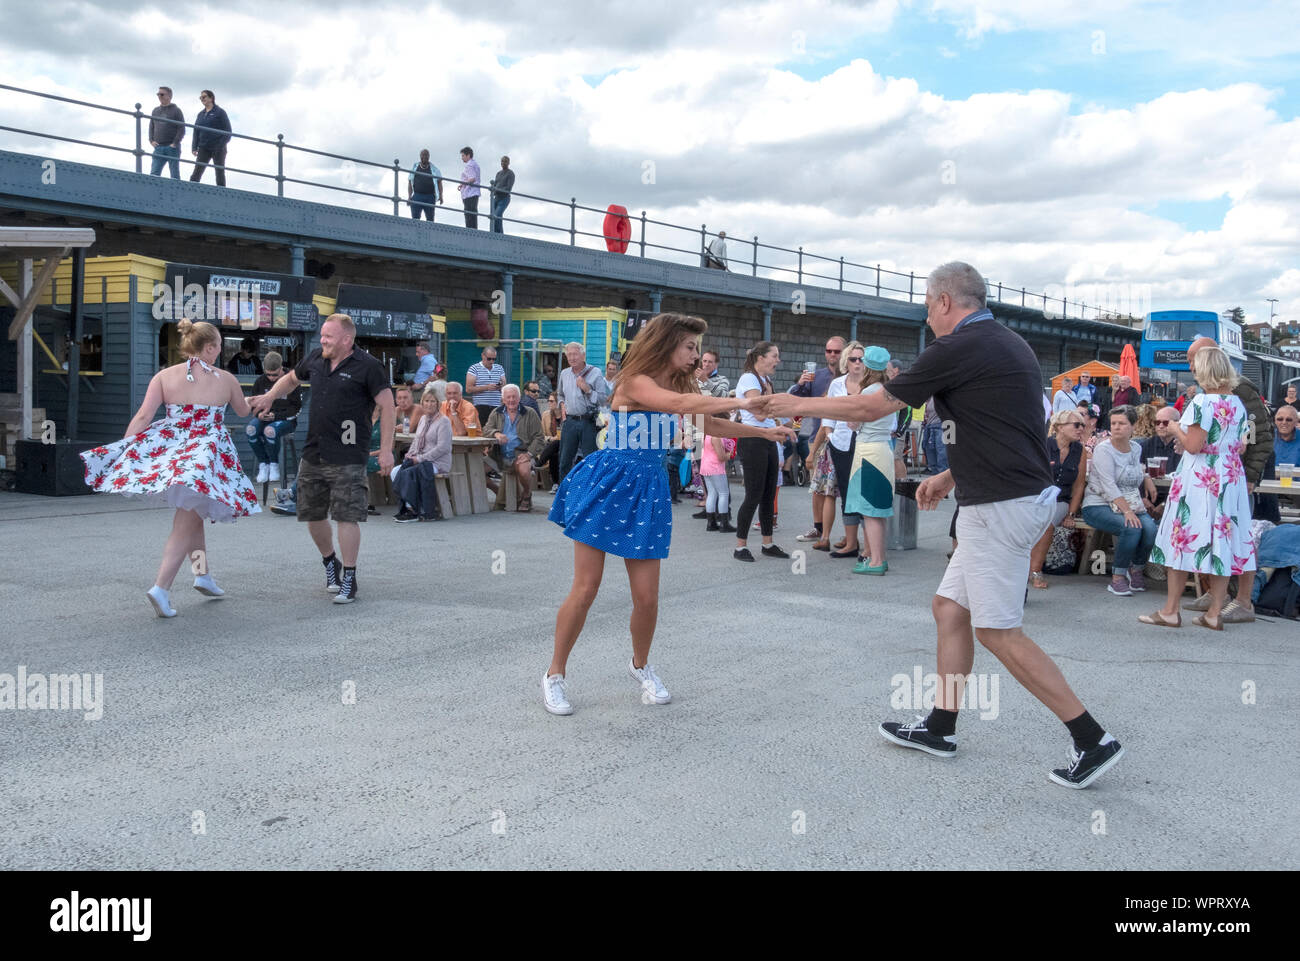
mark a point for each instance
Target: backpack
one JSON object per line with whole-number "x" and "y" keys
{"x": 424, "y": 182}
{"x": 1280, "y": 597}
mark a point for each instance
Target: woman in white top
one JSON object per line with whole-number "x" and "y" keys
{"x": 841, "y": 436}
{"x": 1114, "y": 503}
{"x": 870, "y": 491}
{"x": 758, "y": 455}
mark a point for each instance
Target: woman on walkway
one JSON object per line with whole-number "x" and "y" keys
{"x": 1206, "y": 524}
{"x": 840, "y": 437}
{"x": 870, "y": 492}
{"x": 186, "y": 460}
{"x": 616, "y": 500}
{"x": 759, "y": 460}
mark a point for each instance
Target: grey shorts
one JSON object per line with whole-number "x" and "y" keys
{"x": 336, "y": 491}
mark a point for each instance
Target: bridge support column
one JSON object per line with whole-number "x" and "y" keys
{"x": 513, "y": 352}
{"x": 297, "y": 259}
{"x": 920, "y": 340}
{"x": 853, "y": 327}
{"x": 767, "y": 321}
{"x": 1064, "y": 356}
{"x": 656, "y": 301}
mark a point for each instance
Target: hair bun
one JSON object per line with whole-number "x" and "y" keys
{"x": 183, "y": 327}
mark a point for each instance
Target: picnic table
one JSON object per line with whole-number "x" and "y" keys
{"x": 468, "y": 478}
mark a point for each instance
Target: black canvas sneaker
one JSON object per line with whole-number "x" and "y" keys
{"x": 332, "y": 571}
{"x": 915, "y": 735}
{"x": 1087, "y": 767}
{"x": 347, "y": 589}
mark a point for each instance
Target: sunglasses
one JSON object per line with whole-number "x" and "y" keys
{"x": 829, "y": 351}
{"x": 1284, "y": 420}
{"x": 855, "y": 360}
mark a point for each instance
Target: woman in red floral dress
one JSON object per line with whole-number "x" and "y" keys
{"x": 186, "y": 460}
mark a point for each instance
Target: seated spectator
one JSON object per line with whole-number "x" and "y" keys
{"x": 438, "y": 386}
{"x": 1092, "y": 435}
{"x": 518, "y": 431}
{"x": 264, "y": 431}
{"x": 1114, "y": 502}
{"x": 550, "y": 455}
{"x": 459, "y": 411}
{"x": 408, "y": 412}
{"x": 1286, "y": 440}
{"x": 1163, "y": 443}
{"x": 1069, "y": 473}
{"x": 428, "y": 456}
{"x": 379, "y": 485}
{"x": 531, "y": 395}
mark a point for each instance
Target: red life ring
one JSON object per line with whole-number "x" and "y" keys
{"x": 618, "y": 229}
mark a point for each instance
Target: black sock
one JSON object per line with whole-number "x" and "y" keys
{"x": 1086, "y": 732}
{"x": 327, "y": 561}
{"x": 818, "y": 527}
{"x": 941, "y": 723}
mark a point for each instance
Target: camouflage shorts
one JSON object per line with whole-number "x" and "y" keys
{"x": 336, "y": 490}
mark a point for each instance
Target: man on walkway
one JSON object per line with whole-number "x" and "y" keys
{"x": 715, "y": 256}
{"x": 986, "y": 380}
{"x": 502, "y": 184}
{"x": 346, "y": 384}
{"x": 424, "y": 188}
{"x": 211, "y": 135}
{"x": 166, "y": 134}
{"x": 470, "y": 178}
{"x": 582, "y": 392}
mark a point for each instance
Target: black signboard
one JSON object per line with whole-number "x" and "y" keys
{"x": 384, "y": 312}
{"x": 242, "y": 299}
{"x": 1177, "y": 357}
{"x": 636, "y": 319}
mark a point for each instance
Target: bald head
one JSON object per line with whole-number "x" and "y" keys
{"x": 1197, "y": 344}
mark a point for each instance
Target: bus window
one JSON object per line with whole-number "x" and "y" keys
{"x": 1198, "y": 328}
{"x": 1164, "y": 330}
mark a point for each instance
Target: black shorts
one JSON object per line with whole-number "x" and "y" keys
{"x": 338, "y": 491}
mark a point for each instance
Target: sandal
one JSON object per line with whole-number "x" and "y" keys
{"x": 1158, "y": 619}
{"x": 822, "y": 546}
{"x": 1036, "y": 579}
{"x": 1204, "y": 621}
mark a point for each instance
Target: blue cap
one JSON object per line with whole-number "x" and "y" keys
{"x": 876, "y": 358}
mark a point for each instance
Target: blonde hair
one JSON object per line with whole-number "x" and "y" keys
{"x": 195, "y": 335}
{"x": 1214, "y": 371}
{"x": 844, "y": 354}
{"x": 1059, "y": 418}
{"x": 344, "y": 321}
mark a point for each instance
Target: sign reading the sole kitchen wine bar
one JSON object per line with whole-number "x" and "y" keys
{"x": 246, "y": 299}
{"x": 383, "y": 312}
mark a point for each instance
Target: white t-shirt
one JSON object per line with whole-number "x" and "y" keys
{"x": 841, "y": 433}
{"x": 749, "y": 381}
{"x": 880, "y": 430}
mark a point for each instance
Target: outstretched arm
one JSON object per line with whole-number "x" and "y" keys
{"x": 854, "y": 407}
{"x": 641, "y": 392}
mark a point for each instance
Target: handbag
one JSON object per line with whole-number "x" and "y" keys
{"x": 1063, "y": 551}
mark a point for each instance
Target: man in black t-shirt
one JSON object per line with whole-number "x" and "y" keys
{"x": 346, "y": 384}
{"x": 985, "y": 380}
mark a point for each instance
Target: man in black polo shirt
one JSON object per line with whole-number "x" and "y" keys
{"x": 986, "y": 380}
{"x": 346, "y": 383}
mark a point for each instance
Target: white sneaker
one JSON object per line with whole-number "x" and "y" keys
{"x": 261, "y": 473}
{"x": 652, "y": 689}
{"x": 553, "y": 694}
{"x": 812, "y": 535}
{"x": 206, "y": 585}
{"x": 161, "y": 601}
{"x": 275, "y": 473}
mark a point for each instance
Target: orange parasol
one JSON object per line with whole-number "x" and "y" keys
{"x": 1128, "y": 366}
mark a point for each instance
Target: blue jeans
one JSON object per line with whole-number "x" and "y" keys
{"x": 577, "y": 435}
{"x": 499, "y": 205}
{"x": 166, "y": 154}
{"x": 936, "y": 454}
{"x": 423, "y": 204}
{"x": 1132, "y": 544}
{"x": 264, "y": 438}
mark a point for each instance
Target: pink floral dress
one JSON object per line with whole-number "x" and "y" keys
{"x": 186, "y": 460}
{"x": 1206, "y": 525}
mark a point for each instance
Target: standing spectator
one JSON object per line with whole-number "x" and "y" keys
{"x": 715, "y": 453}
{"x": 987, "y": 380}
{"x": 428, "y": 364}
{"x": 715, "y": 256}
{"x": 462, "y": 414}
{"x": 582, "y": 392}
{"x": 869, "y": 495}
{"x": 518, "y": 431}
{"x": 936, "y": 453}
{"x": 211, "y": 135}
{"x": 611, "y": 368}
{"x": 424, "y": 188}
{"x": 428, "y": 456}
{"x": 1126, "y": 394}
{"x": 483, "y": 384}
{"x": 840, "y": 437}
{"x": 266, "y": 429}
{"x": 1206, "y": 526}
{"x": 757, "y": 454}
{"x": 1069, "y": 473}
{"x": 1114, "y": 502}
{"x": 166, "y": 134}
{"x": 245, "y": 362}
{"x": 1065, "y": 398}
{"x": 502, "y": 185}
{"x": 469, "y": 187}
{"x": 815, "y": 384}
{"x": 713, "y": 382}
{"x": 346, "y": 384}
{"x": 1087, "y": 390}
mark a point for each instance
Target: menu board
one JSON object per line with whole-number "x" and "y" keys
{"x": 384, "y": 312}
{"x": 243, "y": 299}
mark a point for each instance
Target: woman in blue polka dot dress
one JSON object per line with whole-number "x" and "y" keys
{"x": 616, "y": 501}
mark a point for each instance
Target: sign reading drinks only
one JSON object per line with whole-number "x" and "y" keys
{"x": 245, "y": 299}
{"x": 381, "y": 312}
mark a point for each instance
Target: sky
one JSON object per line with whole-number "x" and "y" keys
{"x": 1134, "y": 154}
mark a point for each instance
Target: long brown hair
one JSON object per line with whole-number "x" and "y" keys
{"x": 756, "y": 354}
{"x": 652, "y": 351}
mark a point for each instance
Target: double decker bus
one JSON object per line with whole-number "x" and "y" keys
{"x": 1167, "y": 334}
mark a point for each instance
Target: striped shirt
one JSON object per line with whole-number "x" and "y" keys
{"x": 482, "y": 377}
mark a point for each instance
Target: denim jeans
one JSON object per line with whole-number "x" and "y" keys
{"x": 267, "y": 449}
{"x": 936, "y": 454}
{"x": 577, "y": 435}
{"x": 415, "y": 485}
{"x": 423, "y": 204}
{"x": 1132, "y": 544}
{"x": 166, "y": 154}
{"x": 499, "y": 205}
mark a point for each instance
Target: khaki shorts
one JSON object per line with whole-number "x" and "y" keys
{"x": 990, "y": 568}
{"x": 338, "y": 491}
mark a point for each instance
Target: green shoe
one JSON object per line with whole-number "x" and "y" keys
{"x": 862, "y": 567}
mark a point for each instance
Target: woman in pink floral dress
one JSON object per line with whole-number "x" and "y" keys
{"x": 186, "y": 460}
{"x": 1206, "y": 524}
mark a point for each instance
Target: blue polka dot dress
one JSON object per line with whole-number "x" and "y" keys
{"x": 617, "y": 499}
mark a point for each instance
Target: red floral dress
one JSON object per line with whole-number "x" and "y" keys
{"x": 186, "y": 460}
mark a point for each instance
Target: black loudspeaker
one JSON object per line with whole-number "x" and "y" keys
{"x": 51, "y": 469}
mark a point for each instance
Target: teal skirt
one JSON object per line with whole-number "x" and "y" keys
{"x": 871, "y": 484}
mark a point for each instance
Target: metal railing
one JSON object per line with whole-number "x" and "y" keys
{"x": 781, "y": 263}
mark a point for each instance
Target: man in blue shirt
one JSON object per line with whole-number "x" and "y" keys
{"x": 1286, "y": 441}
{"x": 211, "y": 134}
{"x": 428, "y": 364}
{"x": 1086, "y": 390}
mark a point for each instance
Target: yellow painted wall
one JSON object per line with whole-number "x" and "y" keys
{"x": 117, "y": 270}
